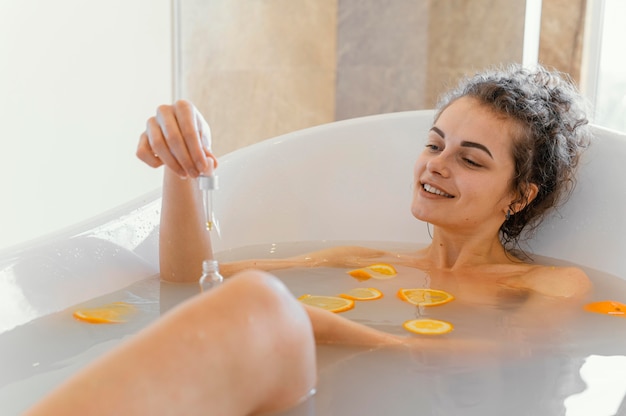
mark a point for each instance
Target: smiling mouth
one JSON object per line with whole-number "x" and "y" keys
{"x": 432, "y": 190}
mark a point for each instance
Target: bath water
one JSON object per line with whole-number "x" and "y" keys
{"x": 508, "y": 354}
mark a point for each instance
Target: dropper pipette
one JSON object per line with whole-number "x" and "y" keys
{"x": 207, "y": 184}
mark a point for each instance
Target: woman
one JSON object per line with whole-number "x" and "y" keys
{"x": 501, "y": 152}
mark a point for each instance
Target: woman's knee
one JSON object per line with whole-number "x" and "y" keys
{"x": 257, "y": 289}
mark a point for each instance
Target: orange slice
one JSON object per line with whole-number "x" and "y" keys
{"x": 383, "y": 268}
{"x": 360, "y": 274}
{"x": 330, "y": 303}
{"x": 607, "y": 307}
{"x": 363, "y": 293}
{"x": 427, "y": 326}
{"x": 380, "y": 271}
{"x": 425, "y": 297}
{"x": 112, "y": 313}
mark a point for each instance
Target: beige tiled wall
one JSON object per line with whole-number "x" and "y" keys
{"x": 562, "y": 30}
{"x": 468, "y": 36}
{"x": 260, "y": 68}
{"x": 257, "y": 69}
{"x": 382, "y": 56}
{"x": 401, "y": 55}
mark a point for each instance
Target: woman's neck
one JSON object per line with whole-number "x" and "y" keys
{"x": 454, "y": 251}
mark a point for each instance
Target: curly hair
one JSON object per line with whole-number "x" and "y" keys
{"x": 551, "y": 131}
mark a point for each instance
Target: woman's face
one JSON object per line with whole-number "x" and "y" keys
{"x": 462, "y": 178}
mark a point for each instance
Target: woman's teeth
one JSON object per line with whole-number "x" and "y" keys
{"x": 432, "y": 190}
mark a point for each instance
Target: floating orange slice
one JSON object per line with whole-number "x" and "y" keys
{"x": 607, "y": 307}
{"x": 330, "y": 303}
{"x": 383, "y": 268}
{"x": 360, "y": 274}
{"x": 112, "y": 313}
{"x": 362, "y": 293}
{"x": 380, "y": 271}
{"x": 425, "y": 297}
{"x": 427, "y": 326}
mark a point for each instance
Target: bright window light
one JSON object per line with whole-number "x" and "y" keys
{"x": 610, "y": 100}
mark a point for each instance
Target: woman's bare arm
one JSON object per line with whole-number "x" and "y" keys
{"x": 179, "y": 139}
{"x": 183, "y": 240}
{"x": 340, "y": 256}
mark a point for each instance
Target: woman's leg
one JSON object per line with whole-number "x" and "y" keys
{"x": 243, "y": 348}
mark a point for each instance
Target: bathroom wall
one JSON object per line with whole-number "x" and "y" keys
{"x": 382, "y": 56}
{"x": 401, "y": 55}
{"x": 258, "y": 69}
{"x": 562, "y": 33}
{"x": 467, "y": 36}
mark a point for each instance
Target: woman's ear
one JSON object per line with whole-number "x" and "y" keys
{"x": 530, "y": 194}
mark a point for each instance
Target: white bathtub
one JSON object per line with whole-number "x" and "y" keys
{"x": 349, "y": 180}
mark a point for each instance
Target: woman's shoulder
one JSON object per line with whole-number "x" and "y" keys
{"x": 556, "y": 281}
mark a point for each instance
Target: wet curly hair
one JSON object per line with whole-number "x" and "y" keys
{"x": 550, "y": 133}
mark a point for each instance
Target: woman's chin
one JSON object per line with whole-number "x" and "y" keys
{"x": 419, "y": 214}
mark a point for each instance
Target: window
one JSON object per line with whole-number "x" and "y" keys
{"x": 606, "y": 63}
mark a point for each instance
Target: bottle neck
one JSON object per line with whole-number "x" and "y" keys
{"x": 210, "y": 266}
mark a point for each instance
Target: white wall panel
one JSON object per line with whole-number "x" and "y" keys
{"x": 78, "y": 79}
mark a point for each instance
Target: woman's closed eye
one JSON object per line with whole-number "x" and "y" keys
{"x": 472, "y": 163}
{"x": 434, "y": 147}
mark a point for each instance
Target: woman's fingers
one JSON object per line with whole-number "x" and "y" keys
{"x": 174, "y": 126}
{"x": 190, "y": 124}
{"x": 212, "y": 161}
{"x": 145, "y": 152}
{"x": 160, "y": 147}
{"x": 178, "y": 137}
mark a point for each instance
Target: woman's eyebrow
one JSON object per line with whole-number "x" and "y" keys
{"x": 477, "y": 146}
{"x": 464, "y": 143}
{"x": 438, "y": 131}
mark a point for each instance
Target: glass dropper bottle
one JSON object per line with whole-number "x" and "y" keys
{"x": 211, "y": 276}
{"x": 207, "y": 183}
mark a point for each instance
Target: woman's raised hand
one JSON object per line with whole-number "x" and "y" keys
{"x": 179, "y": 138}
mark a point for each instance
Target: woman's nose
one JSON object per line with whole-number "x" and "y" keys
{"x": 439, "y": 165}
